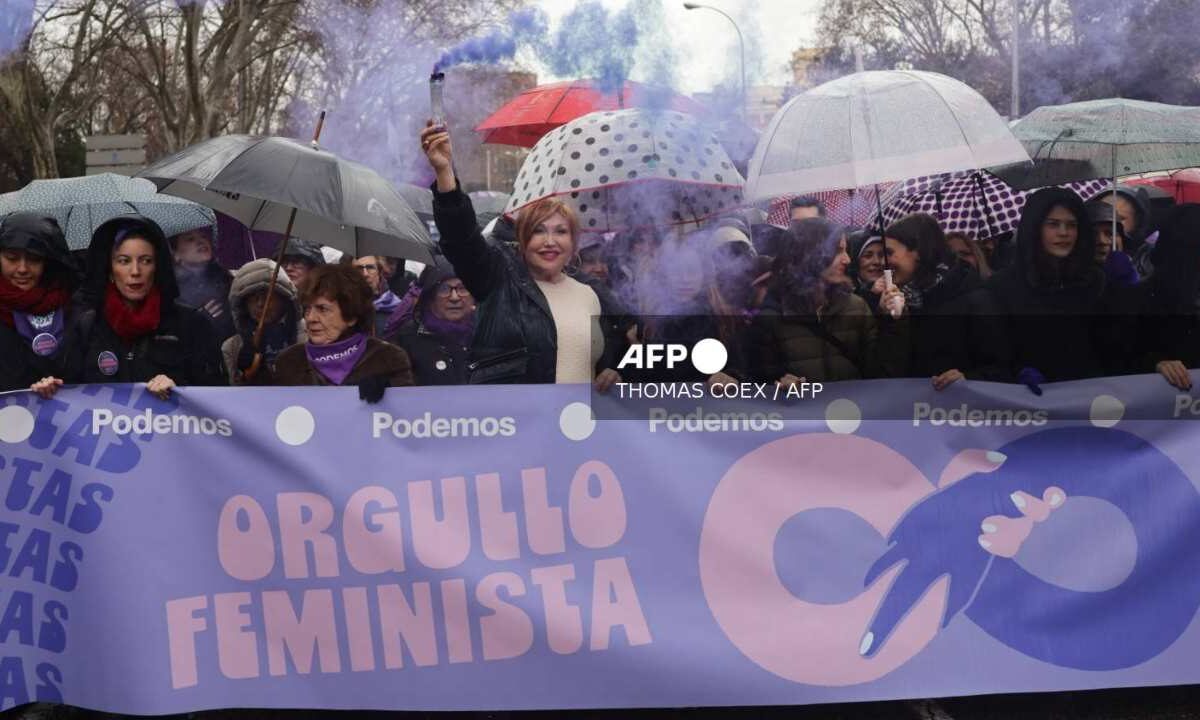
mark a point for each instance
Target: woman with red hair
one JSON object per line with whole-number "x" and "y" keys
{"x": 534, "y": 323}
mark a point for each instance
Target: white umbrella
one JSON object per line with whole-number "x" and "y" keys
{"x": 624, "y": 169}
{"x": 875, "y": 127}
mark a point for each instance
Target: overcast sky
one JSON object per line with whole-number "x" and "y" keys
{"x": 707, "y": 44}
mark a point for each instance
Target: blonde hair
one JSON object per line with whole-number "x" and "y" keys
{"x": 985, "y": 270}
{"x": 538, "y": 212}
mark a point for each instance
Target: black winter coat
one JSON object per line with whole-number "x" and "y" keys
{"x": 20, "y": 366}
{"x": 197, "y": 288}
{"x": 957, "y": 327}
{"x": 515, "y": 338}
{"x": 183, "y": 347}
{"x": 1165, "y": 331}
{"x": 1063, "y": 328}
{"x": 436, "y": 360}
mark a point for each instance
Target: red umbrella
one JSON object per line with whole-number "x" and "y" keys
{"x": 529, "y": 116}
{"x": 1183, "y": 185}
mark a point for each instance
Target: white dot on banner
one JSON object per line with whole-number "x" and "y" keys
{"x": 709, "y": 356}
{"x": 295, "y": 425}
{"x": 576, "y": 421}
{"x": 16, "y": 424}
{"x": 843, "y": 416}
{"x": 1107, "y": 411}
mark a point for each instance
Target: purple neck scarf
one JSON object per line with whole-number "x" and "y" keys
{"x": 336, "y": 360}
{"x": 44, "y": 332}
{"x": 456, "y": 332}
{"x": 386, "y": 302}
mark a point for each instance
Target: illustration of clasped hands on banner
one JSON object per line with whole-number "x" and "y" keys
{"x": 510, "y": 547}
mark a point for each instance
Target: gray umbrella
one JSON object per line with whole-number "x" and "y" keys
{"x": 489, "y": 201}
{"x": 286, "y": 186}
{"x": 488, "y": 204}
{"x": 1103, "y": 139}
{"x": 82, "y": 204}
{"x": 420, "y": 199}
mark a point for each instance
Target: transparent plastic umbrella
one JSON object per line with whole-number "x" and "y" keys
{"x": 876, "y": 127}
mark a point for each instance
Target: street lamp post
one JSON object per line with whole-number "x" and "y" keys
{"x": 1016, "y": 59}
{"x": 741, "y": 46}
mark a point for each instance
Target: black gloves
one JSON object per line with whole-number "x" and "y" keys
{"x": 370, "y": 389}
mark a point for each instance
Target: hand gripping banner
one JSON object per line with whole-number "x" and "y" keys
{"x": 500, "y": 548}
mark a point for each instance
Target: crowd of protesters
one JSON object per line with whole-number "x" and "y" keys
{"x": 537, "y": 301}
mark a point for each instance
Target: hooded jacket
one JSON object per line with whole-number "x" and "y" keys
{"x": 1055, "y": 316}
{"x": 253, "y": 277}
{"x": 183, "y": 346}
{"x": 436, "y": 358}
{"x": 515, "y": 337}
{"x": 40, "y": 235}
{"x": 1141, "y": 206}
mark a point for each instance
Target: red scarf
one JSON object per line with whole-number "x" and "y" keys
{"x": 131, "y": 323}
{"x": 36, "y": 301}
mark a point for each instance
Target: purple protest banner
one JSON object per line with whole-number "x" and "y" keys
{"x": 498, "y": 548}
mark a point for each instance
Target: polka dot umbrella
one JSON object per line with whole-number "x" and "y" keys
{"x": 976, "y": 203}
{"x": 626, "y": 169}
{"x": 851, "y": 208}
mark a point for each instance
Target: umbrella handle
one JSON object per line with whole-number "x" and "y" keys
{"x": 262, "y": 316}
{"x": 879, "y": 218}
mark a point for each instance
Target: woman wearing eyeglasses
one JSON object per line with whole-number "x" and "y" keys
{"x": 437, "y": 337}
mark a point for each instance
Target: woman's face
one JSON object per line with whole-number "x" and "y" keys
{"x": 835, "y": 273}
{"x": 550, "y": 247}
{"x": 255, "y": 303}
{"x": 962, "y": 251}
{"x": 870, "y": 263}
{"x": 132, "y": 268}
{"x": 1060, "y": 232}
{"x": 902, "y": 261}
{"x": 324, "y": 321}
{"x": 22, "y": 269}
{"x": 451, "y": 301}
{"x": 1104, "y": 242}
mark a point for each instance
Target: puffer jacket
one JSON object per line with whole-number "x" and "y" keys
{"x": 253, "y": 277}
{"x": 867, "y": 346}
{"x": 183, "y": 347}
{"x": 515, "y": 337}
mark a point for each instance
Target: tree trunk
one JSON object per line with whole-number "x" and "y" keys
{"x": 43, "y": 150}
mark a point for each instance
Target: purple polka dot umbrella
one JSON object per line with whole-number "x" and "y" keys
{"x": 978, "y": 204}
{"x": 626, "y": 169}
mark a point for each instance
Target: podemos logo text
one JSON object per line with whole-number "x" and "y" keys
{"x": 147, "y": 423}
